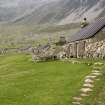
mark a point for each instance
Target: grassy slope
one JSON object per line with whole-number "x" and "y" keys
{"x": 23, "y": 35}
{"x": 23, "y": 82}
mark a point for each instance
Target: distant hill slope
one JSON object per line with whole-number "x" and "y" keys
{"x": 50, "y": 11}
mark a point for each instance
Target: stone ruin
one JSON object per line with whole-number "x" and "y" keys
{"x": 48, "y": 52}
{"x": 89, "y": 42}
{"x": 84, "y": 47}
{"x": 93, "y": 47}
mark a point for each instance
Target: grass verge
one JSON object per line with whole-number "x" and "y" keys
{"x": 23, "y": 82}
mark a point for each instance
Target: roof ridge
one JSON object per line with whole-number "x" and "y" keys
{"x": 88, "y": 31}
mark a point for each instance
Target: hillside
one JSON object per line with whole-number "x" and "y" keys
{"x": 50, "y": 12}
{"x": 24, "y": 22}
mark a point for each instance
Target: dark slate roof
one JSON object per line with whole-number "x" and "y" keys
{"x": 89, "y": 31}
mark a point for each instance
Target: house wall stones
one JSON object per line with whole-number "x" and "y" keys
{"x": 96, "y": 49}
{"x": 93, "y": 47}
{"x": 76, "y": 49}
{"x": 81, "y": 49}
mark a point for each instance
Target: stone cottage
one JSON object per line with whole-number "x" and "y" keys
{"x": 89, "y": 42}
{"x": 48, "y": 52}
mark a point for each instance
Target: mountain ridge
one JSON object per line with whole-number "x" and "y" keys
{"x": 58, "y": 12}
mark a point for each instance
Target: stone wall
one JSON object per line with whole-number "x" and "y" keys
{"x": 76, "y": 49}
{"x": 14, "y": 50}
{"x": 90, "y": 48}
{"x": 95, "y": 50}
{"x": 81, "y": 49}
{"x": 85, "y": 49}
{"x": 71, "y": 50}
{"x": 95, "y": 47}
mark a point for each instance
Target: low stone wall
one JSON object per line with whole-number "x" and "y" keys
{"x": 95, "y": 50}
{"x": 14, "y": 50}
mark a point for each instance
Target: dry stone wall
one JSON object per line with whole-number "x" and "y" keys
{"x": 93, "y": 47}
{"x": 95, "y": 50}
{"x": 14, "y": 50}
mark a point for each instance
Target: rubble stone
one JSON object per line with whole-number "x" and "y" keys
{"x": 97, "y": 74}
{"x": 77, "y": 98}
{"x": 76, "y": 103}
{"x": 84, "y": 95}
{"x": 88, "y": 85}
{"x": 86, "y": 90}
{"x": 91, "y": 77}
{"x": 96, "y": 71}
{"x": 89, "y": 81}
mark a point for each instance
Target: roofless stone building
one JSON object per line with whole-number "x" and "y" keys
{"x": 89, "y": 42}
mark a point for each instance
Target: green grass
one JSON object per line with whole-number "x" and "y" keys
{"x": 97, "y": 97}
{"x": 23, "y": 82}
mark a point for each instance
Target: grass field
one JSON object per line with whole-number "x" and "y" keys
{"x": 23, "y": 82}
{"x": 97, "y": 97}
